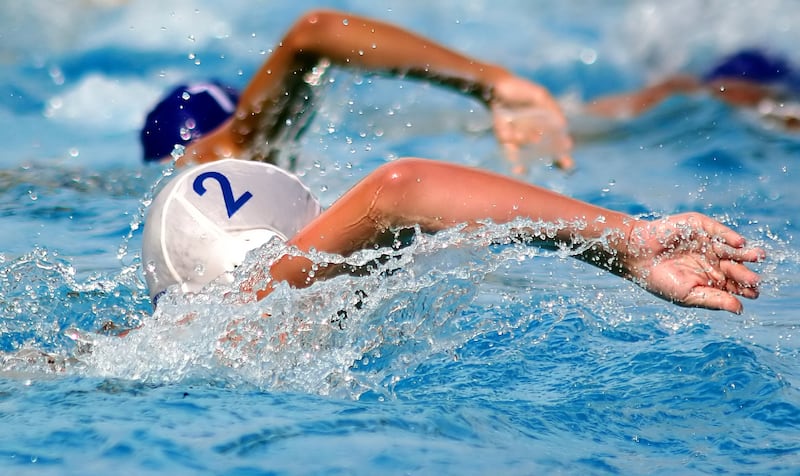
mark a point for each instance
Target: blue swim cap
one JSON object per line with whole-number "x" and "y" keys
{"x": 752, "y": 64}
{"x": 186, "y": 113}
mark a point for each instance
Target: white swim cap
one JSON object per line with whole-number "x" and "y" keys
{"x": 206, "y": 219}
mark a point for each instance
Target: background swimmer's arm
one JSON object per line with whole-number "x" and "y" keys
{"x": 631, "y": 104}
{"x": 736, "y": 92}
{"x": 690, "y": 259}
{"x": 740, "y": 92}
{"x": 348, "y": 40}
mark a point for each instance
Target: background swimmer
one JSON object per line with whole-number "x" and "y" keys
{"x": 270, "y": 110}
{"x": 750, "y": 78}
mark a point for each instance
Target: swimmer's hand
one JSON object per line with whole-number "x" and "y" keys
{"x": 693, "y": 261}
{"x": 524, "y": 113}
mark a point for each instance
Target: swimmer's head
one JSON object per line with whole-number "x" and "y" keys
{"x": 752, "y": 65}
{"x": 205, "y": 220}
{"x": 184, "y": 114}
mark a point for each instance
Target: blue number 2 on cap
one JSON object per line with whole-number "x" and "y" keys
{"x": 232, "y": 205}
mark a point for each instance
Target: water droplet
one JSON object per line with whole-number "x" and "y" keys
{"x": 56, "y": 75}
{"x": 178, "y": 151}
{"x": 588, "y": 56}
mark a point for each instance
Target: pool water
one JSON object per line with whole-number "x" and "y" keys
{"x": 463, "y": 356}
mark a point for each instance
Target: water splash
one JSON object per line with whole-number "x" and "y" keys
{"x": 345, "y": 336}
{"x": 40, "y": 298}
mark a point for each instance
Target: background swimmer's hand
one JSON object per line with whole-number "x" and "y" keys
{"x": 784, "y": 114}
{"x": 693, "y": 261}
{"x": 525, "y": 114}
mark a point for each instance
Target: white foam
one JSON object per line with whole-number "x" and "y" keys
{"x": 104, "y": 103}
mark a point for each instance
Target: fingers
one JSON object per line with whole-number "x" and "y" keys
{"x": 739, "y": 279}
{"x": 745, "y": 292}
{"x": 513, "y": 144}
{"x": 513, "y": 155}
{"x": 564, "y": 162}
{"x": 539, "y": 127}
{"x": 713, "y": 298}
{"x": 739, "y": 254}
{"x": 728, "y": 280}
{"x": 705, "y": 262}
{"x": 717, "y": 230}
{"x": 727, "y": 244}
{"x": 512, "y": 152}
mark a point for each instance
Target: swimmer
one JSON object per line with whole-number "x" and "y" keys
{"x": 201, "y": 225}
{"x": 749, "y": 78}
{"x": 203, "y": 122}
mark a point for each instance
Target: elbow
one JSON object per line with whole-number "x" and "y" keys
{"x": 320, "y": 16}
{"x": 310, "y": 29}
{"x": 406, "y": 193}
{"x": 400, "y": 176}
{"x": 397, "y": 183}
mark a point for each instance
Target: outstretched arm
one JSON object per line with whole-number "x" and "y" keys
{"x": 353, "y": 41}
{"x": 689, "y": 259}
{"x": 631, "y": 104}
{"x": 736, "y": 92}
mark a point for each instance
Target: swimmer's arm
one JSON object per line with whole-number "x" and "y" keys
{"x": 626, "y": 105}
{"x": 736, "y": 92}
{"x": 353, "y": 41}
{"x": 690, "y": 259}
{"x": 740, "y": 92}
{"x": 348, "y": 40}
{"x": 434, "y": 196}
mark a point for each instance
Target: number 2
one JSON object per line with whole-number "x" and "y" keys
{"x": 232, "y": 205}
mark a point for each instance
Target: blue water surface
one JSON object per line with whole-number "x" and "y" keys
{"x": 469, "y": 357}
